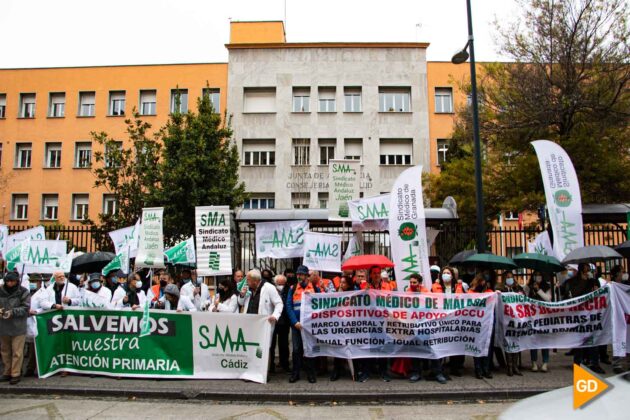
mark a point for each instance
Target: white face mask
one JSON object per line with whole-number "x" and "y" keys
{"x": 138, "y": 284}
{"x": 625, "y": 276}
{"x": 280, "y": 287}
{"x": 447, "y": 278}
{"x": 590, "y": 275}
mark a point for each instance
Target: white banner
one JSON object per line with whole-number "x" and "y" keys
{"x": 376, "y": 323}
{"x": 151, "y": 239}
{"x": 355, "y": 246}
{"x": 407, "y": 228}
{"x": 541, "y": 244}
{"x": 562, "y": 193}
{"x": 182, "y": 253}
{"x": 37, "y": 233}
{"x": 370, "y": 208}
{"x": 344, "y": 178}
{"x": 41, "y": 256}
{"x": 621, "y": 298}
{"x": 213, "y": 237}
{"x": 322, "y": 251}
{"x": 280, "y": 239}
{"x": 126, "y": 236}
{"x": 4, "y": 238}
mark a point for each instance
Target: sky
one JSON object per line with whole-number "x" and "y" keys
{"x": 47, "y": 33}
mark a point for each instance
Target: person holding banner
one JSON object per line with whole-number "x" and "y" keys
{"x": 346, "y": 284}
{"x": 61, "y": 293}
{"x": 293, "y": 303}
{"x": 281, "y": 332}
{"x": 482, "y": 363}
{"x": 453, "y": 285}
{"x": 195, "y": 290}
{"x": 174, "y": 301}
{"x": 539, "y": 289}
{"x": 130, "y": 294}
{"x": 226, "y": 299}
{"x": 96, "y": 295}
{"x": 326, "y": 286}
{"x": 15, "y": 302}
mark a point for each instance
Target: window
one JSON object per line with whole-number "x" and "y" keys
{"x": 82, "y": 155}
{"x": 80, "y": 206}
{"x": 27, "y": 105}
{"x": 117, "y": 103}
{"x": 50, "y": 207}
{"x": 23, "y": 153}
{"x": 179, "y": 105}
{"x": 86, "y": 104}
{"x": 396, "y": 151}
{"x": 260, "y": 201}
{"x": 112, "y": 152}
{"x": 3, "y": 105}
{"x": 354, "y": 149}
{"x": 442, "y": 150}
{"x": 215, "y": 98}
{"x": 511, "y": 215}
{"x": 259, "y": 100}
{"x": 19, "y": 206}
{"x": 148, "y": 102}
{"x": 301, "y": 151}
{"x": 394, "y": 99}
{"x": 322, "y": 197}
{"x": 259, "y": 152}
{"x": 301, "y": 99}
{"x": 326, "y": 150}
{"x": 57, "y": 105}
{"x": 300, "y": 200}
{"x": 443, "y": 100}
{"x": 109, "y": 204}
{"x": 53, "y": 155}
{"x": 352, "y": 99}
{"x": 327, "y": 99}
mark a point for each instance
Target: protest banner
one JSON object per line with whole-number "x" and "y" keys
{"x": 355, "y": 246}
{"x": 4, "y": 237}
{"x": 344, "y": 178}
{"x": 322, "y": 251}
{"x": 194, "y": 345}
{"x": 120, "y": 262}
{"x": 37, "y": 233}
{"x": 375, "y": 323}
{"x": 280, "y": 239}
{"x": 562, "y": 194}
{"x": 127, "y": 236}
{"x": 212, "y": 234}
{"x": 37, "y": 256}
{"x": 621, "y": 301}
{"x": 370, "y": 208}
{"x": 407, "y": 228}
{"x": 182, "y": 253}
{"x": 541, "y": 244}
{"x": 151, "y": 239}
{"x": 585, "y": 321}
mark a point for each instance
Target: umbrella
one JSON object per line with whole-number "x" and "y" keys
{"x": 461, "y": 256}
{"x": 624, "y": 249}
{"x": 489, "y": 260}
{"x": 539, "y": 262}
{"x": 591, "y": 254}
{"x": 367, "y": 261}
{"x": 91, "y": 262}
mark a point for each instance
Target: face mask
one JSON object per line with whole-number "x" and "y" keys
{"x": 78, "y": 276}
{"x": 95, "y": 285}
{"x": 447, "y": 278}
{"x": 570, "y": 274}
{"x": 186, "y": 281}
{"x": 138, "y": 284}
{"x": 413, "y": 288}
{"x": 589, "y": 275}
{"x": 280, "y": 287}
{"x": 538, "y": 279}
{"x": 199, "y": 282}
{"x": 162, "y": 283}
{"x": 509, "y": 281}
{"x": 32, "y": 286}
{"x": 624, "y": 277}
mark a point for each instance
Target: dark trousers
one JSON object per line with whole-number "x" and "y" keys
{"x": 381, "y": 364}
{"x": 299, "y": 359}
{"x": 435, "y": 366}
{"x": 456, "y": 362}
{"x": 590, "y": 353}
{"x": 280, "y": 336}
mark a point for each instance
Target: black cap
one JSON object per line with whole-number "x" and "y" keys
{"x": 12, "y": 275}
{"x": 95, "y": 276}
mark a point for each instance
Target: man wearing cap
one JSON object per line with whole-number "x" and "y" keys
{"x": 175, "y": 301}
{"x": 61, "y": 293}
{"x": 15, "y": 302}
{"x": 97, "y": 295}
{"x": 293, "y": 303}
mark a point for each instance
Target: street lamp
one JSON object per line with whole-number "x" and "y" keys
{"x": 460, "y": 58}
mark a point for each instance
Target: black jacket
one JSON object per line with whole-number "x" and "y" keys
{"x": 18, "y": 301}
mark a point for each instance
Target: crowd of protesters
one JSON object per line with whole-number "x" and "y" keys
{"x": 279, "y": 298}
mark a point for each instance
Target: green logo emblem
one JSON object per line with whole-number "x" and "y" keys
{"x": 562, "y": 198}
{"x": 214, "y": 261}
{"x": 407, "y": 231}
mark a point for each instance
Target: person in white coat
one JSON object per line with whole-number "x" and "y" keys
{"x": 130, "y": 294}
{"x": 262, "y": 299}
{"x": 96, "y": 295}
{"x": 174, "y": 300}
{"x": 196, "y": 290}
{"x": 227, "y": 298}
{"x": 61, "y": 293}
{"x": 38, "y": 295}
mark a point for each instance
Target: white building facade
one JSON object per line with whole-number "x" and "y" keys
{"x": 296, "y": 106}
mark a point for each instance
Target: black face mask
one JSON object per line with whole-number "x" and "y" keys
{"x": 291, "y": 280}
{"x": 162, "y": 283}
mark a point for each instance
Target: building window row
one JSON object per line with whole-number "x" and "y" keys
{"x": 49, "y": 209}
{"x": 147, "y": 103}
{"x": 52, "y": 155}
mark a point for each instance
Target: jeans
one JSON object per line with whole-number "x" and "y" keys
{"x": 534, "y": 355}
{"x": 280, "y": 336}
{"x": 298, "y": 355}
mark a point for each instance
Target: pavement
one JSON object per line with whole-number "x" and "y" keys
{"x": 278, "y": 389}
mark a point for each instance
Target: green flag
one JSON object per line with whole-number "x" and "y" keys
{"x": 145, "y": 325}
{"x": 120, "y": 262}
{"x": 182, "y": 253}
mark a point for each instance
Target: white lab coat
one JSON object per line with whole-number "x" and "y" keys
{"x": 184, "y": 304}
{"x": 119, "y": 296}
{"x": 200, "y": 301}
{"x": 37, "y": 299}
{"x": 270, "y": 301}
{"x": 230, "y": 305}
{"x": 100, "y": 299}
{"x": 69, "y": 290}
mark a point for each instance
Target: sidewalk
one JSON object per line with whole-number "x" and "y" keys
{"x": 278, "y": 389}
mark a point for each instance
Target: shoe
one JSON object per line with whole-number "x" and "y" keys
{"x": 510, "y": 371}
{"x": 312, "y": 378}
{"x": 363, "y": 377}
{"x": 597, "y": 369}
{"x": 294, "y": 378}
{"x": 415, "y": 377}
{"x": 386, "y": 378}
{"x": 534, "y": 367}
{"x": 617, "y": 369}
{"x": 478, "y": 374}
{"x": 448, "y": 378}
{"x": 544, "y": 368}
{"x": 5, "y": 378}
{"x": 14, "y": 381}
{"x": 487, "y": 375}
{"x": 516, "y": 371}
{"x": 334, "y": 375}
{"x": 440, "y": 378}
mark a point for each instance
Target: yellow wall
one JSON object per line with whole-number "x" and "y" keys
{"x": 70, "y": 129}
{"x": 257, "y": 32}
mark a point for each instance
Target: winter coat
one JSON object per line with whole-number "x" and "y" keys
{"x": 18, "y": 302}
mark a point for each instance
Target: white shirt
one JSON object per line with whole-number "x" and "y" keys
{"x": 230, "y": 305}
{"x": 100, "y": 299}
{"x": 37, "y": 299}
{"x": 270, "y": 301}
{"x": 200, "y": 301}
{"x": 69, "y": 290}
{"x": 184, "y": 304}
{"x": 119, "y": 296}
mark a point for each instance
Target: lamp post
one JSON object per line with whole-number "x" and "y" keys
{"x": 460, "y": 58}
